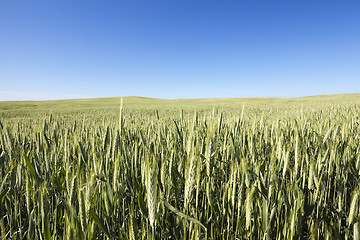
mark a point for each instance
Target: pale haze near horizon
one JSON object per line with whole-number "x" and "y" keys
{"x": 178, "y": 49}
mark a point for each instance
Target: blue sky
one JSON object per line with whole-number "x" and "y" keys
{"x": 178, "y": 48}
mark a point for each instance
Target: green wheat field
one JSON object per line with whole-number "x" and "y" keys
{"x": 144, "y": 168}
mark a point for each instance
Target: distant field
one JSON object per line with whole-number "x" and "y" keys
{"x": 142, "y": 101}
{"x": 110, "y": 106}
{"x": 236, "y": 168}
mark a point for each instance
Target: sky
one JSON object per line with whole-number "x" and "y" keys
{"x": 62, "y": 49}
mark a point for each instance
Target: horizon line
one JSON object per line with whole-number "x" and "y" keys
{"x": 174, "y": 99}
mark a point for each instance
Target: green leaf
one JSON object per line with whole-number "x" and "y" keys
{"x": 31, "y": 168}
{"x": 47, "y": 234}
{"x": 177, "y": 212}
{"x": 99, "y": 222}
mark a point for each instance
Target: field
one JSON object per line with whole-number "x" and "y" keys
{"x": 250, "y": 168}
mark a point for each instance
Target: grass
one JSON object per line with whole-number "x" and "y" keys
{"x": 250, "y": 168}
